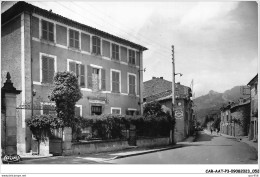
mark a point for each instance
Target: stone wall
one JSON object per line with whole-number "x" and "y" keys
{"x": 152, "y": 142}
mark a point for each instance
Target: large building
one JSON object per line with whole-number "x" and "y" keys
{"x": 36, "y": 43}
{"x": 158, "y": 89}
{"x": 253, "y": 133}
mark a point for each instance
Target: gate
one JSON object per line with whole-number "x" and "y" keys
{"x": 55, "y": 144}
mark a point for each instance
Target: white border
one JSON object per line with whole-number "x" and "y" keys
{"x": 132, "y": 74}
{"x": 96, "y": 66}
{"x": 119, "y": 79}
{"x": 118, "y": 108}
{"x": 47, "y": 55}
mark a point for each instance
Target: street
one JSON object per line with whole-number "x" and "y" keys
{"x": 208, "y": 149}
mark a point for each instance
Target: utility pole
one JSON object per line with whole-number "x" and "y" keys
{"x": 173, "y": 93}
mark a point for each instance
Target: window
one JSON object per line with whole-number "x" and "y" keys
{"x": 48, "y": 108}
{"x": 131, "y": 57}
{"x": 47, "y": 66}
{"x": 96, "y": 45}
{"x": 78, "y": 110}
{"x": 115, "y": 81}
{"x": 115, "y": 52}
{"x": 96, "y": 77}
{"x": 132, "y": 84}
{"x": 132, "y": 112}
{"x": 79, "y": 70}
{"x": 47, "y": 31}
{"x": 96, "y": 110}
{"x": 74, "y": 39}
{"x": 115, "y": 110}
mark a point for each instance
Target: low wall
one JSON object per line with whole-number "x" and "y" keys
{"x": 150, "y": 142}
{"x": 101, "y": 146}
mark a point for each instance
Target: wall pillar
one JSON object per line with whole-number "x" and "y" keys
{"x": 66, "y": 141}
{"x": 9, "y": 93}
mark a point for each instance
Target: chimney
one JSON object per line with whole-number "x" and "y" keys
{"x": 161, "y": 77}
{"x": 153, "y": 77}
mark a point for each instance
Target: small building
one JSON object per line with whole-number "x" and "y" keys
{"x": 158, "y": 89}
{"x": 253, "y": 130}
{"x": 37, "y": 43}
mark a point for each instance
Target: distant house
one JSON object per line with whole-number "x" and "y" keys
{"x": 253, "y": 132}
{"x": 158, "y": 89}
{"x": 235, "y": 118}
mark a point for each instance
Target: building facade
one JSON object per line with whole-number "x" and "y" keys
{"x": 160, "y": 90}
{"x": 253, "y": 132}
{"x": 37, "y": 43}
{"x": 235, "y": 118}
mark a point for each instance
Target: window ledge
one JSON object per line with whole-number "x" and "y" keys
{"x": 48, "y": 42}
{"x": 74, "y": 49}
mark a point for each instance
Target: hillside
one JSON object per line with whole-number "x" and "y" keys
{"x": 212, "y": 102}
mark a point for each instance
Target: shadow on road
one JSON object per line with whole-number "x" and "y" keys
{"x": 204, "y": 137}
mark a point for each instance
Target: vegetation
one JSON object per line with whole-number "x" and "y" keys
{"x": 65, "y": 93}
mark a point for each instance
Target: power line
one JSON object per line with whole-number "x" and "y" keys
{"x": 122, "y": 29}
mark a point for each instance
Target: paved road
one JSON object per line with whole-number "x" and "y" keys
{"x": 208, "y": 149}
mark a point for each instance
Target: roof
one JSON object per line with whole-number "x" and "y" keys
{"x": 22, "y": 6}
{"x": 253, "y": 80}
{"x": 160, "y": 89}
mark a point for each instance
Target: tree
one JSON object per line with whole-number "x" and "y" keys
{"x": 153, "y": 109}
{"x": 66, "y": 92}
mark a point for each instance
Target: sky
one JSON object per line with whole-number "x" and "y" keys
{"x": 216, "y": 43}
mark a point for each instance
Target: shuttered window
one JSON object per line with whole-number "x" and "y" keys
{"x": 132, "y": 84}
{"x": 131, "y": 57}
{"x": 96, "y": 110}
{"x": 47, "y": 31}
{"x": 115, "y": 82}
{"x": 47, "y": 69}
{"x": 115, "y": 52}
{"x": 79, "y": 70}
{"x": 74, "y": 39}
{"x": 48, "y": 109}
{"x": 103, "y": 79}
{"x": 96, "y": 45}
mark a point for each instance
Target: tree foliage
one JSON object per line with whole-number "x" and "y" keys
{"x": 65, "y": 93}
{"x": 42, "y": 125}
{"x": 153, "y": 109}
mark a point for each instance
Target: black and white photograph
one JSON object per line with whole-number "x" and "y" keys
{"x": 129, "y": 87}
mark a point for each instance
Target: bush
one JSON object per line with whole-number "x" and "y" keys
{"x": 42, "y": 125}
{"x": 111, "y": 126}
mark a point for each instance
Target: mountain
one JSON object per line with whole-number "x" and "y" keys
{"x": 212, "y": 101}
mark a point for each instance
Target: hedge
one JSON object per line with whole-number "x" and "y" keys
{"x": 111, "y": 126}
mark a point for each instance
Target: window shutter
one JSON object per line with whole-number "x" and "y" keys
{"x": 89, "y": 75}
{"x": 51, "y": 70}
{"x": 77, "y": 70}
{"x": 82, "y": 75}
{"x": 45, "y": 109}
{"x": 51, "y": 29}
{"x": 44, "y": 69}
{"x": 44, "y": 30}
{"x": 72, "y": 66}
{"x": 103, "y": 79}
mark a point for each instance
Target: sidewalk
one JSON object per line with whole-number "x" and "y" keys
{"x": 243, "y": 139}
{"x": 104, "y": 157}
